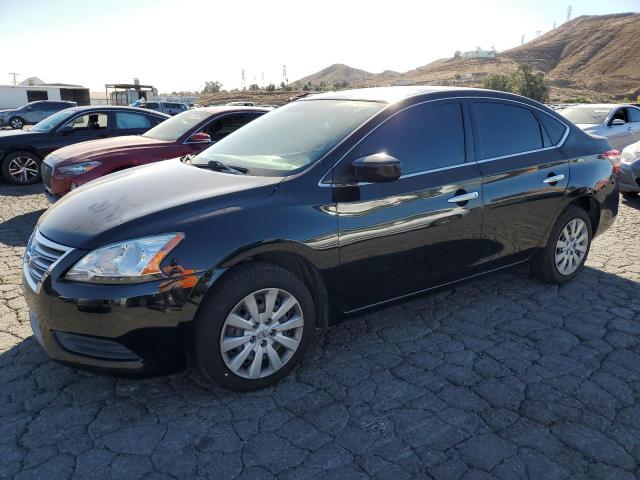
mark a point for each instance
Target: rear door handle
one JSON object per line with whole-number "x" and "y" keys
{"x": 553, "y": 179}
{"x": 465, "y": 197}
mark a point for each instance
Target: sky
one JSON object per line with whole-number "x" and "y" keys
{"x": 178, "y": 45}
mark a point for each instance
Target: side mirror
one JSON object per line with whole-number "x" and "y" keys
{"x": 617, "y": 121}
{"x": 377, "y": 168}
{"x": 66, "y": 129}
{"x": 200, "y": 137}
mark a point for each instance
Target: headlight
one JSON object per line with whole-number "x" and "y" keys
{"x": 132, "y": 261}
{"x": 631, "y": 154}
{"x": 78, "y": 168}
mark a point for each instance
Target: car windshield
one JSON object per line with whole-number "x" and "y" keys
{"x": 173, "y": 128}
{"x": 52, "y": 121}
{"x": 586, "y": 114}
{"x": 290, "y": 138}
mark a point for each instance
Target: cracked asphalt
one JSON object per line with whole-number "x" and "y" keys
{"x": 503, "y": 377}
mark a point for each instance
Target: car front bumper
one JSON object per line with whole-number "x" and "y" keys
{"x": 629, "y": 177}
{"x": 139, "y": 329}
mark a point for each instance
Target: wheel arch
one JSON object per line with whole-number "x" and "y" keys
{"x": 291, "y": 256}
{"x": 591, "y": 206}
{"x": 20, "y": 148}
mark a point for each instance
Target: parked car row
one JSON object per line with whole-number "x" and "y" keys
{"x": 235, "y": 255}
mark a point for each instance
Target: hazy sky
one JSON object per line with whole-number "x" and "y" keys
{"x": 178, "y": 45}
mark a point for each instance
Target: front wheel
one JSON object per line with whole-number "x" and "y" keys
{"x": 567, "y": 248}
{"x": 16, "y": 123}
{"x": 21, "y": 168}
{"x": 254, "y": 328}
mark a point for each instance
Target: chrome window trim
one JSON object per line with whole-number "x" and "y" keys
{"x": 38, "y": 237}
{"x": 558, "y": 145}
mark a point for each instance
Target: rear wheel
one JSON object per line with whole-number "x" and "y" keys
{"x": 16, "y": 123}
{"x": 254, "y": 328}
{"x": 567, "y": 247}
{"x": 630, "y": 195}
{"x": 21, "y": 168}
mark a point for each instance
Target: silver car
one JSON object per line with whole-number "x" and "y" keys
{"x": 620, "y": 124}
{"x": 629, "y": 176}
{"x": 32, "y": 112}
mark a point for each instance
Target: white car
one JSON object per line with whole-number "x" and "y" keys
{"x": 629, "y": 176}
{"x": 620, "y": 124}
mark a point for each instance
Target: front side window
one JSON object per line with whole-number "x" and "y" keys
{"x": 423, "y": 137}
{"x": 505, "y": 129}
{"x": 220, "y": 128}
{"x": 290, "y": 138}
{"x": 126, "y": 120}
{"x": 89, "y": 122}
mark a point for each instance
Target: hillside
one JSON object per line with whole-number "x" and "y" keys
{"x": 591, "y": 57}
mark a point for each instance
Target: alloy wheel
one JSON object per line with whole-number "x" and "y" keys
{"x": 571, "y": 246}
{"x": 23, "y": 169}
{"x": 262, "y": 333}
{"x": 16, "y": 123}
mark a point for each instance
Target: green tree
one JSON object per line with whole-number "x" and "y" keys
{"x": 270, "y": 88}
{"x": 254, "y": 87}
{"x": 524, "y": 81}
{"x": 212, "y": 87}
{"x": 457, "y": 54}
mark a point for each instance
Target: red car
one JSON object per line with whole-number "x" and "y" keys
{"x": 189, "y": 132}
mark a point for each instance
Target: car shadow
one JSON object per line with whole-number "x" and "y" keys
{"x": 9, "y": 190}
{"x": 454, "y": 352}
{"x": 16, "y": 231}
{"x": 631, "y": 201}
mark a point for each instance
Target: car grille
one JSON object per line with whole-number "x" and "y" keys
{"x": 39, "y": 259}
{"x": 45, "y": 171}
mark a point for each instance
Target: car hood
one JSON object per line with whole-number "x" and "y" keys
{"x": 83, "y": 151}
{"x": 7, "y": 110}
{"x": 151, "y": 199}
{"x": 8, "y": 136}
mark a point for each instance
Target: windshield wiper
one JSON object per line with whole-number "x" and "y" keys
{"x": 187, "y": 158}
{"x": 218, "y": 166}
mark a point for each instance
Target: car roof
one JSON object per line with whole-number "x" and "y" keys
{"x": 233, "y": 108}
{"x": 396, "y": 94}
{"x": 117, "y": 108}
{"x": 599, "y": 105}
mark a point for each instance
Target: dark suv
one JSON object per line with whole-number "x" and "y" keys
{"x": 324, "y": 207}
{"x": 32, "y": 113}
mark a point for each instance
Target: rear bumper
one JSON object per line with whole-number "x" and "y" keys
{"x": 136, "y": 330}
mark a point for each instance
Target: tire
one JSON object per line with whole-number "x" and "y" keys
{"x": 21, "y": 168}
{"x": 16, "y": 123}
{"x": 234, "y": 368}
{"x": 630, "y": 195}
{"x": 547, "y": 267}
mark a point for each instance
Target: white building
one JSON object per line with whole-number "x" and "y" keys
{"x": 32, "y": 89}
{"x": 479, "y": 53}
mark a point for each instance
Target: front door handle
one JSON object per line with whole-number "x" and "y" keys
{"x": 465, "y": 197}
{"x": 553, "y": 179}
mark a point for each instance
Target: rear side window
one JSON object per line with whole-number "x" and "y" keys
{"x": 506, "y": 129}
{"x": 423, "y": 137}
{"x": 553, "y": 127}
{"x": 125, "y": 120}
{"x": 152, "y": 105}
{"x": 220, "y": 128}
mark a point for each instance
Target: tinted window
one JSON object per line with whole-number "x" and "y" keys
{"x": 505, "y": 129}
{"x": 553, "y": 127}
{"x": 424, "y": 137}
{"x": 50, "y": 106}
{"x": 586, "y": 114}
{"x": 90, "y": 121}
{"x": 131, "y": 120}
{"x": 220, "y": 128}
{"x": 634, "y": 114}
{"x": 151, "y": 105}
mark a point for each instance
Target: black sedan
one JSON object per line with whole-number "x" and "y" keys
{"x": 22, "y": 151}
{"x": 322, "y": 208}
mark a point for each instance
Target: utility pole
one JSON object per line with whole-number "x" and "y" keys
{"x": 14, "y": 78}
{"x": 554, "y": 25}
{"x": 569, "y": 13}
{"x": 538, "y": 32}
{"x": 244, "y": 83}
{"x": 284, "y": 75}
{"x": 522, "y": 40}
{"x": 262, "y": 86}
